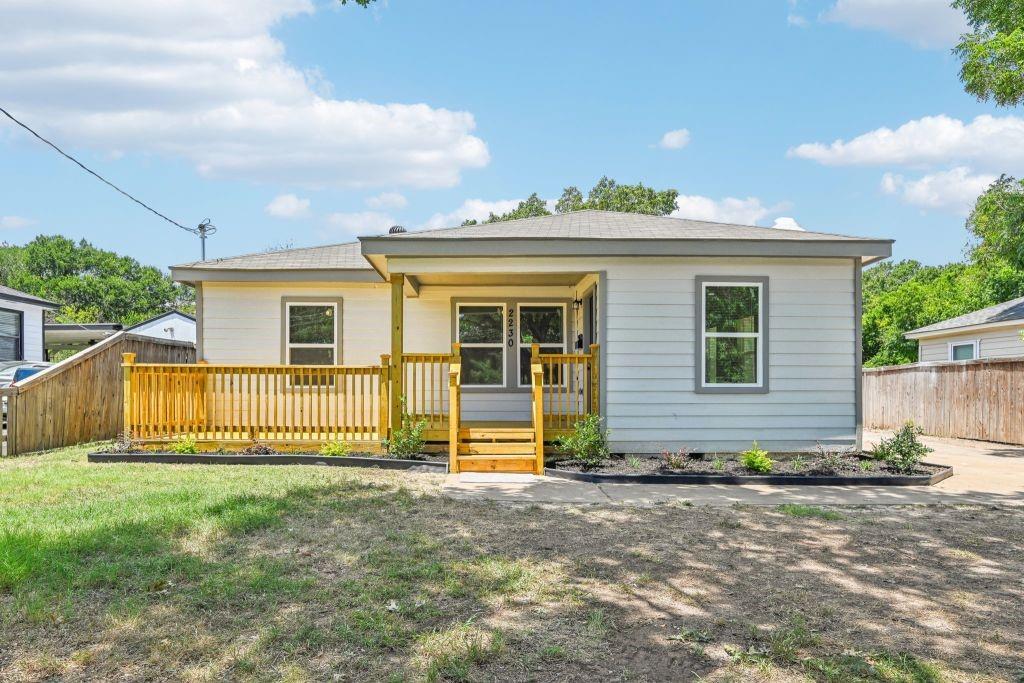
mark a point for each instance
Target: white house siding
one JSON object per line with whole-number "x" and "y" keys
{"x": 649, "y": 346}
{"x": 1003, "y": 342}
{"x": 32, "y": 318}
{"x": 648, "y": 363}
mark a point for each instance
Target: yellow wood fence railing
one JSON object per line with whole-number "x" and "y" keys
{"x": 249, "y": 402}
{"x": 455, "y": 417}
{"x": 425, "y": 386}
{"x": 571, "y": 386}
{"x": 537, "y": 389}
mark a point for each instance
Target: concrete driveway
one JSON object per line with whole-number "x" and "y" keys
{"x": 984, "y": 473}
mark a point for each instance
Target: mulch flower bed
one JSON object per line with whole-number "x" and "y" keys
{"x": 849, "y": 465}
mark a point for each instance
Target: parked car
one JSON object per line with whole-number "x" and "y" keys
{"x": 15, "y": 371}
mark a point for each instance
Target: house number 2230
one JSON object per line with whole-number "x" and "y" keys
{"x": 511, "y": 329}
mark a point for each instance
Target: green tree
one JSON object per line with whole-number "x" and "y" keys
{"x": 606, "y": 195}
{"x": 992, "y": 55}
{"x": 92, "y": 285}
{"x": 997, "y": 223}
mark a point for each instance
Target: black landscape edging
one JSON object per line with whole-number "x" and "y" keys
{"x": 775, "y": 479}
{"x": 279, "y": 459}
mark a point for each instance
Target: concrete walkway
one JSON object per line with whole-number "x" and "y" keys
{"x": 984, "y": 473}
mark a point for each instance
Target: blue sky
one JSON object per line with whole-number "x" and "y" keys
{"x": 294, "y": 122}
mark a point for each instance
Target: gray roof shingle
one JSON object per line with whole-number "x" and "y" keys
{"x": 583, "y": 225}
{"x": 12, "y": 294}
{"x": 594, "y": 224}
{"x": 1004, "y": 312}
{"x": 328, "y": 257}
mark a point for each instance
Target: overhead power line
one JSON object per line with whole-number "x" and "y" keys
{"x": 203, "y": 229}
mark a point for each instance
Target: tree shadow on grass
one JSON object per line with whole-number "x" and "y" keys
{"x": 363, "y": 581}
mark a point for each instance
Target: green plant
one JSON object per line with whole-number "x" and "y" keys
{"x": 634, "y": 462}
{"x": 830, "y": 460}
{"x": 756, "y": 460}
{"x": 718, "y": 463}
{"x": 124, "y": 443}
{"x": 335, "y": 448}
{"x": 257, "y": 448}
{"x": 407, "y": 440}
{"x": 798, "y": 510}
{"x": 185, "y": 445}
{"x": 587, "y": 442}
{"x": 867, "y": 465}
{"x": 677, "y": 460}
{"x": 902, "y": 451}
{"x": 798, "y": 464}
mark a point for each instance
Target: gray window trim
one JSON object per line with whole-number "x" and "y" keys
{"x": 21, "y": 331}
{"x": 698, "y": 383}
{"x": 339, "y": 327}
{"x": 511, "y": 364}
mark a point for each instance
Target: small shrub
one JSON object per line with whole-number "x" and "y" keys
{"x": 634, "y": 462}
{"x": 124, "y": 443}
{"x": 587, "y": 443}
{"x": 335, "y": 449}
{"x": 677, "y": 460}
{"x": 756, "y": 460}
{"x": 830, "y": 460}
{"x": 798, "y": 464}
{"x": 257, "y": 448}
{"x": 185, "y": 445}
{"x": 903, "y": 451}
{"x": 867, "y": 465}
{"x": 717, "y": 463}
{"x": 407, "y": 441}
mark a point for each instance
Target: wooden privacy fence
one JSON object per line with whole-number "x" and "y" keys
{"x": 978, "y": 399}
{"x": 278, "y": 403}
{"x": 80, "y": 399}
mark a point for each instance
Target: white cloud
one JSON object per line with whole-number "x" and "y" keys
{"x": 675, "y": 139}
{"x": 925, "y": 23}
{"x": 987, "y": 141}
{"x": 288, "y": 206}
{"x": 786, "y": 223}
{"x": 387, "y": 200}
{"x": 954, "y": 190}
{"x": 207, "y": 82}
{"x": 796, "y": 20}
{"x": 747, "y": 211}
{"x": 14, "y": 222}
{"x": 343, "y": 227}
{"x": 477, "y": 209}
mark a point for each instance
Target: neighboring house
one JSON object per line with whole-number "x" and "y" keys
{"x": 710, "y": 335}
{"x": 993, "y": 332}
{"x": 170, "y": 325}
{"x": 21, "y": 325}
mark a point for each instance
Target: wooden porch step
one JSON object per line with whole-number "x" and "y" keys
{"x": 524, "y": 448}
{"x": 496, "y": 434}
{"x": 493, "y": 456}
{"x": 496, "y": 463}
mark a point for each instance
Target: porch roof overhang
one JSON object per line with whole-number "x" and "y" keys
{"x": 377, "y": 250}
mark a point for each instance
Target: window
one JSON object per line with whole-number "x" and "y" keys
{"x": 311, "y": 334}
{"x": 542, "y": 324}
{"x": 732, "y": 334}
{"x": 480, "y": 331}
{"x": 10, "y": 335}
{"x": 963, "y": 350}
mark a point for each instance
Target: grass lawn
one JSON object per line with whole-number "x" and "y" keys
{"x": 303, "y": 573}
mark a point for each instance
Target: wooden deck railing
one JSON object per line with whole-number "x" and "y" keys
{"x": 537, "y": 392}
{"x": 455, "y": 418}
{"x": 571, "y": 386}
{"x": 425, "y": 386}
{"x": 253, "y": 402}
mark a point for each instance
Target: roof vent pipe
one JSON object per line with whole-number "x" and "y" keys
{"x": 396, "y": 230}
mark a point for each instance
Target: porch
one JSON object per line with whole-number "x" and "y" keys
{"x": 293, "y": 406}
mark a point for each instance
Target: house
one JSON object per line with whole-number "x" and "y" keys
{"x": 21, "y": 325}
{"x": 993, "y": 332}
{"x": 677, "y": 332}
{"x": 170, "y": 325}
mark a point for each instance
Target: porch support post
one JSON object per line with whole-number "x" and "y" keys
{"x": 397, "y": 335}
{"x": 127, "y": 361}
